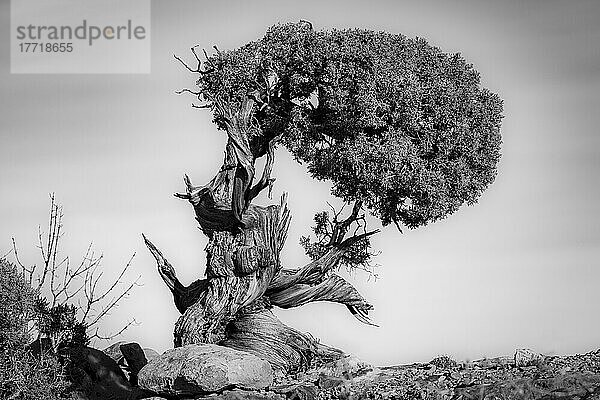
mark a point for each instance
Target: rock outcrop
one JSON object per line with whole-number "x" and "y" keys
{"x": 98, "y": 376}
{"x": 150, "y": 354}
{"x": 201, "y": 369}
{"x": 135, "y": 358}
{"x": 114, "y": 351}
{"x": 130, "y": 357}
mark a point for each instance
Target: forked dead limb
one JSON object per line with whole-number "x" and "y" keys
{"x": 183, "y": 296}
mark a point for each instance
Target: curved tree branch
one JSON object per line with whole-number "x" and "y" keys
{"x": 314, "y": 271}
{"x": 334, "y": 288}
{"x": 313, "y": 282}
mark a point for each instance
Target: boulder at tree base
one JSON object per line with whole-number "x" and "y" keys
{"x": 206, "y": 368}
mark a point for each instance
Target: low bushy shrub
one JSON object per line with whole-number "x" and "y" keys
{"x": 25, "y": 374}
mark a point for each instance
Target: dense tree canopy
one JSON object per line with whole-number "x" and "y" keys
{"x": 391, "y": 121}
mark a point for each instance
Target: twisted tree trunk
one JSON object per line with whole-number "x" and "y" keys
{"x": 244, "y": 277}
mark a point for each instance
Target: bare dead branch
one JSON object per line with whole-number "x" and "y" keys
{"x": 397, "y": 225}
{"x": 354, "y": 239}
{"x": 189, "y": 187}
{"x": 183, "y": 296}
{"x": 199, "y": 65}
{"x": 28, "y": 271}
{"x": 165, "y": 269}
{"x": 361, "y": 315}
{"x": 202, "y": 106}
{"x": 65, "y": 285}
{"x": 184, "y": 64}
{"x": 5, "y": 255}
{"x": 193, "y": 49}
{"x": 341, "y": 227}
{"x": 266, "y": 180}
{"x": 111, "y": 336}
{"x": 181, "y": 91}
{"x": 117, "y": 281}
{"x": 112, "y": 304}
{"x": 41, "y": 242}
{"x": 208, "y": 59}
{"x": 285, "y": 219}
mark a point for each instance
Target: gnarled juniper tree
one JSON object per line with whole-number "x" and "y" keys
{"x": 400, "y": 128}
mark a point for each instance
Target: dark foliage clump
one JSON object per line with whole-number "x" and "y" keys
{"x": 357, "y": 256}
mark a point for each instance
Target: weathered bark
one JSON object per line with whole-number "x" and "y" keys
{"x": 257, "y": 331}
{"x": 240, "y": 267}
{"x": 244, "y": 277}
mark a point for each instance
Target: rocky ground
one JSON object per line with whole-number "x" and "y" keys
{"x": 535, "y": 377}
{"x": 525, "y": 375}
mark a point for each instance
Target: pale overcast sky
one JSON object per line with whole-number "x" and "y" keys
{"x": 519, "y": 269}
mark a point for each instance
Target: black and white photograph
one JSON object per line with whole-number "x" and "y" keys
{"x": 299, "y": 200}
